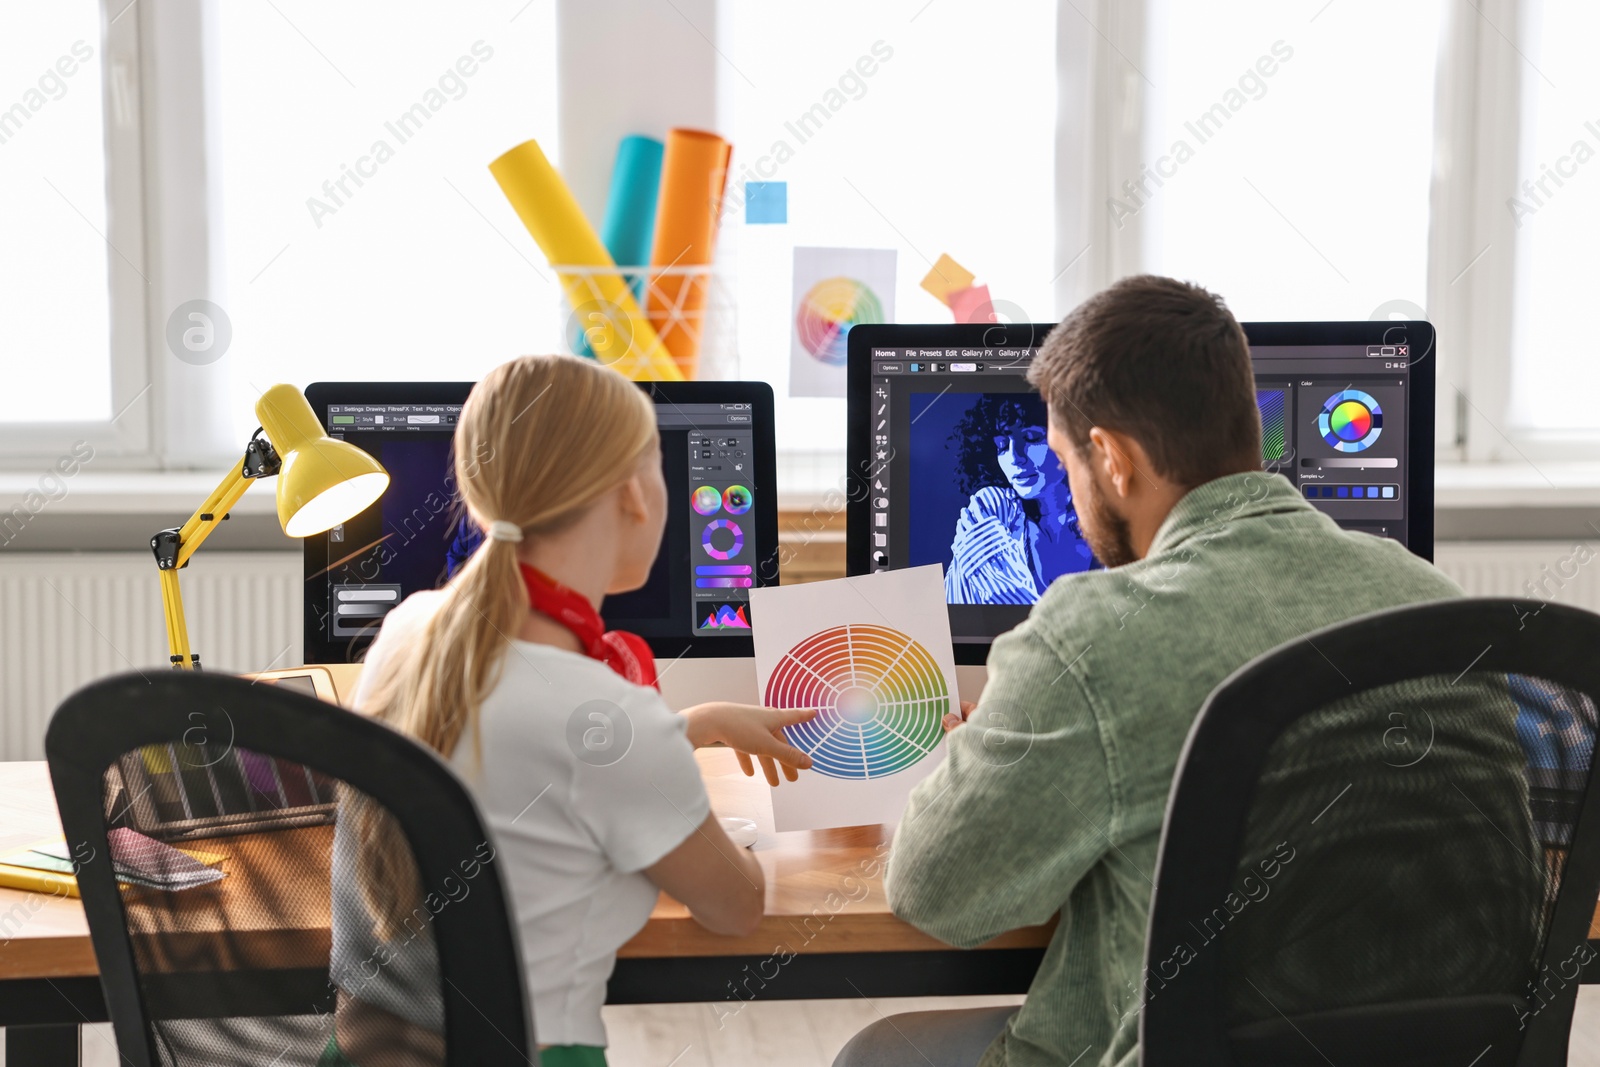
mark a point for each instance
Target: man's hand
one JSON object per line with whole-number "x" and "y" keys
{"x": 952, "y": 720}
{"x": 751, "y": 731}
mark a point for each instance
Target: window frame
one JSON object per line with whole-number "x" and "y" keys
{"x": 1471, "y": 236}
{"x": 158, "y": 190}
{"x": 125, "y": 434}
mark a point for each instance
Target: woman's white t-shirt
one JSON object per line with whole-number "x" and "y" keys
{"x": 585, "y": 780}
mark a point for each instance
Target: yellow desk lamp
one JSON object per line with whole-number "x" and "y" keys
{"x": 321, "y": 483}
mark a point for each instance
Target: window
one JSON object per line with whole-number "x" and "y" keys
{"x": 946, "y": 147}
{"x": 1556, "y": 207}
{"x": 361, "y": 234}
{"x": 54, "y": 273}
{"x": 1290, "y": 150}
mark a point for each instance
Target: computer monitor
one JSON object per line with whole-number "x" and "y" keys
{"x": 716, "y": 442}
{"x": 1346, "y": 411}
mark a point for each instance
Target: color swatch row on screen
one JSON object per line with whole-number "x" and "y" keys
{"x": 1352, "y": 492}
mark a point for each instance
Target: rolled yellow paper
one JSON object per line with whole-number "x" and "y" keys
{"x": 614, "y": 327}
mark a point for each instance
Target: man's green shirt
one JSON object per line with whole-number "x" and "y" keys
{"x": 1051, "y": 798}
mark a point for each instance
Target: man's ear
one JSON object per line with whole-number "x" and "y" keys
{"x": 1107, "y": 454}
{"x": 1121, "y": 457}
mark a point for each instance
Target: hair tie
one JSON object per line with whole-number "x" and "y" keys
{"x": 501, "y": 530}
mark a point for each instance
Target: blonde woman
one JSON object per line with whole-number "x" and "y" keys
{"x": 587, "y": 780}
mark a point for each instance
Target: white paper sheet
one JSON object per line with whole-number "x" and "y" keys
{"x": 873, "y": 655}
{"x": 834, "y": 288}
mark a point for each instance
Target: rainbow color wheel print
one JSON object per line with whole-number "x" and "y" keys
{"x": 880, "y": 698}
{"x": 828, "y": 311}
{"x": 1351, "y": 421}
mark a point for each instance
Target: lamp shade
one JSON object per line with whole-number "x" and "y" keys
{"x": 323, "y": 482}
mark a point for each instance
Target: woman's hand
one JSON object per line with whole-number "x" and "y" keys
{"x": 952, "y": 720}
{"x": 751, "y": 731}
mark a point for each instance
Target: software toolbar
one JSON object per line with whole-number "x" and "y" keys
{"x": 398, "y": 418}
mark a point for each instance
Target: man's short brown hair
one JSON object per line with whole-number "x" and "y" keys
{"x": 1163, "y": 361}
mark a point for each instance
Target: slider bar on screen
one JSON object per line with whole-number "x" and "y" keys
{"x": 369, "y": 594}
{"x": 1359, "y": 462}
{"x": 723, "y": 583}
{"x": 371, "y": 611}
{"x": 741, "y": 569}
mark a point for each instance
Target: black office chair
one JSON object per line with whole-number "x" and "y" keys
{"x": 1381, "y": 847}
{"x": 287, "y": 789}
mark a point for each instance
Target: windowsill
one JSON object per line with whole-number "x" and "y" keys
{"x": 119, "y": 510}
{"x": 1517, "y": 485}
{"x": 129, "y": 493}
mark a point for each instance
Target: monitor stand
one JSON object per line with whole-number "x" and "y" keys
{"x": 970, "y": 681}
{"x": 687, "y": 682}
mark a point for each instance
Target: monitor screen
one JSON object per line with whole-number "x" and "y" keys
{"x": 721, "y": 537}
{"x": 949, "y": 438}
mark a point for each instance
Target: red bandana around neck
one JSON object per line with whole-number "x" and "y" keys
{"x": 625, "y": 653}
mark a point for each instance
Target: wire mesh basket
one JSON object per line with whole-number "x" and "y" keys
{"x": 651, "y": 322}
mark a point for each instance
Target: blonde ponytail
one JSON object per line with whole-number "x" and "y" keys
{"x": 539, "y": 441}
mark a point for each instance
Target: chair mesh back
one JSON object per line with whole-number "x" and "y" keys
{"x": 318, "y": 904}
{"x": 1405, "y": 846}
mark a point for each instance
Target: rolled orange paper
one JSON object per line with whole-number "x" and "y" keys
{"x": 694, "y": 174}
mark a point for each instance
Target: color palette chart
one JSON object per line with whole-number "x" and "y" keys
{"x": 880, "y": 698}
{"x": 1350, "y": 421}
{"x": 827, "y": 312}
{"x": 833, "y": 290}
{"x": 1272, "y": 403}
{"x": 871, "y": 656}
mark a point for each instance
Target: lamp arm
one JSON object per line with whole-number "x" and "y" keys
{"x": 173, "y": 547}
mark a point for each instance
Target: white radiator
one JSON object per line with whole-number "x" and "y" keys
{"x": 67, "y": 619}
{"x": 1562, "y": 572}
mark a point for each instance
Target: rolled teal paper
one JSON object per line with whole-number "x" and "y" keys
{"x": 630, "y": 221}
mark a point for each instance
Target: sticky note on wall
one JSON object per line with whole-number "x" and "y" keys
{"x": 946, "y": 277}
{"x": 766, "y": 202}
{"x": 971, "y": 304}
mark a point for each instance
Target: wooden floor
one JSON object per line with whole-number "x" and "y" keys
{"x": 796, "y": 1033}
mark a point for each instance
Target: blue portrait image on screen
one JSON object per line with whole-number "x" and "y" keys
{"x": 990, "y": 501}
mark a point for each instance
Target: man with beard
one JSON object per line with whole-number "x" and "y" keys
{"x": 1051, "y": 799}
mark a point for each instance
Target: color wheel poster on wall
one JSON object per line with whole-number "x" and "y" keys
{"x": 873, "y": 655}
{"x": 834, "y": 289}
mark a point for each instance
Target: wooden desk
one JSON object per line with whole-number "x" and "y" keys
{"x": 827, "y": 932}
